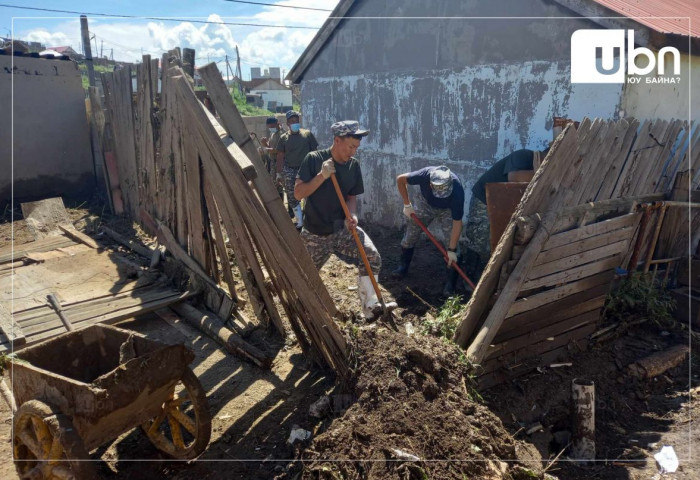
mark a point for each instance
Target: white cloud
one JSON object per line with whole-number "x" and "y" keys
{"x": 258, "y": 46}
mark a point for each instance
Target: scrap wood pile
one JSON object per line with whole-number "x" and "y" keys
{"x": 413, "y": 410}
{"x": 541, "y": 293}
{"x": 181, "y": 182}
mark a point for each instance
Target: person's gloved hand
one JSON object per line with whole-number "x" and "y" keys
{"x": 408, "y": 210}
{"x": 451, "y": 258}
{"x": 279, "y": 178}
{"x": 327, "y": 168}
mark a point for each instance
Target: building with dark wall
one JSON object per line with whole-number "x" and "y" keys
{"x": 436, "y": 87}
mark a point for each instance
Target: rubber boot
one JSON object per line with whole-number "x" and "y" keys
{"x": 368, "y": 297}
{"x": 449, "y": 288}
{"x": 406, "y": 256}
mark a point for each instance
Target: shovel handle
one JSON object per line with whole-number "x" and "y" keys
{"x": 358, "y": 241}
{"x": 442, "y": 250}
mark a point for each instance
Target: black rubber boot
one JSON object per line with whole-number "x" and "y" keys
{"x": 406, "y": 256}
{"x": 449, "y": 288}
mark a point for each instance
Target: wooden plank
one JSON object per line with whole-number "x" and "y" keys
{"x": 78, "y": 236}
{"x": 593, "y": 229}
{"x": 574, "y": 273}
{"x": 530, "y": 355}
{"x": 193, "y": 205}
{"x": 11, "y": 328}
{"x": 539, "y": 299}
{"x": 573, "y": 261}
{"x": 165, "y": 236}
{"x": 552, "y": 329}
{"x": 617, "y": 162}
{"x": 128, "y": 243}
{"x": 494, "y": 320}
{"x": 530, "y": 321}
{"x": 584, "y": 245}
{"x": 44, "y": 245}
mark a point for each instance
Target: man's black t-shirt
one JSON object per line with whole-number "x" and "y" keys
{"x": 323, "y": 213}
{"x": 518, "y": 160}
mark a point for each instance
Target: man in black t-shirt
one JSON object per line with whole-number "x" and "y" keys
{"x": 441, "y": 201}
{"x": 326, "y": 230}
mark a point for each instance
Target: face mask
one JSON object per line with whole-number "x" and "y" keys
{"x": 272, "y": 129}
{"x": 294, "y": 127}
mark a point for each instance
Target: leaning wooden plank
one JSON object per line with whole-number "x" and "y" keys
{"x": 617, "y": 162}
{"x": 214, "y": 327}
{"x": 494, "y": 320}
{"x": 220, "y": 244}
{"x": 599, "y": 228}
{"x": 193, "y": 193}
{"x": 79, "y": 236}
{"x": 537, "y": 300}
{"x": 264, "y": 185}
{"x": 553, "y": 329}
{"x": 584, "y": 245}
{"x": 574, "y": 274}
{"x": 573, "y": 261}
{"x": 10, "y": 328}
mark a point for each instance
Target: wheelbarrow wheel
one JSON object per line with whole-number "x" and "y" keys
{"x": 182, "y": 429}
{"x": 46, "y": 446}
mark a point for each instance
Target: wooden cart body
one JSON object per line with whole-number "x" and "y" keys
{"x": 106, "y": 379}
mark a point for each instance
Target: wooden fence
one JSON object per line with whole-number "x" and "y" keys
{"x": 544, "y": 286}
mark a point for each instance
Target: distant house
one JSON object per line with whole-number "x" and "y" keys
{"x": 465, "y": 83}
{"x": 66, "y": 50}
{"x": 276, "y": 97}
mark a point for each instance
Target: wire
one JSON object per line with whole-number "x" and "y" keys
{"x": 158, "y": 18}
{"x": 280, "y": 6}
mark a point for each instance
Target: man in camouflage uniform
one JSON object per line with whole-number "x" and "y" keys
{"x": 291, "y": 150}
{"x": 326, "y": 230}
{"x": 269, "y": 150}
{"x": 519, "y": 166}
{"x": 441, "y": 202}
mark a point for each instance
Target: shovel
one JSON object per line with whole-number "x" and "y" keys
{"x": 442, "y": 250}
{"x": 386, "y": 312}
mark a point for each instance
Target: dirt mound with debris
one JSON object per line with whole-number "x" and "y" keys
{"x": 415, "y": 417}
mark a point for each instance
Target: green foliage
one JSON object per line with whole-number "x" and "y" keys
{"x": 97, "y": 68}
{"x": 636, "y": 297}
{"x": 246, "y": 109}
{"x": 447, "y": 320}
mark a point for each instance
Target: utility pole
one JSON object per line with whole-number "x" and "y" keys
{"x": 238, "y": 70}
{"x": 102, "y": 44}
{"x": 95, "y": 39}
{"x": 86, "y": 47}
{"x": 111, "y": 54}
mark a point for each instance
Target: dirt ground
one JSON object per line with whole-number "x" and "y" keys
{"x": 410, "y": 396}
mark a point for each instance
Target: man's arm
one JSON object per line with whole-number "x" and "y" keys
{"x": 280, "y": 161}
{"x": 351, "y": 201}
{"x": 401, "y": 184}
{"x": 304, "y": 189}
{"x": 454, "y": 236}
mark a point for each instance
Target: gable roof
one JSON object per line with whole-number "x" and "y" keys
{"x": 672, "y": 17}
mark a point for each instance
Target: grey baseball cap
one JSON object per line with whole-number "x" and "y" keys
{"x": 293, "y": 113}
{"x": 348, "y": 127}
{"x": 441, "y": 182}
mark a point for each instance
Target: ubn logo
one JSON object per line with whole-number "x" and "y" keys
{"x": 598, "y": 56}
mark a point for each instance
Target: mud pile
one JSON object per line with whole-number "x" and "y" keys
{"x": 415, "y": 417}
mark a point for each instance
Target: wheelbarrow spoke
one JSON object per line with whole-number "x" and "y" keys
{"x": 41, "y": 431}
{"x": 175, "y": 432}
{"x": 56, "y": 452}
{"x": 31, "y": 444}
{"x": 153, "y": 428}
{"x": 35, "y": 473}
{"x": 184, "y": 420}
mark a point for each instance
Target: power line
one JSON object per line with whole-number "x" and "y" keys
{"x": 162, "y": 19}
{"x": 280, "y": 6}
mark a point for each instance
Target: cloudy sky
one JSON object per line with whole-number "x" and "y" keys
{"x": 175, "y": 23}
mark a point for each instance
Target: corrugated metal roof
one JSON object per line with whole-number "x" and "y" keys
{"x": 667, "y": 16}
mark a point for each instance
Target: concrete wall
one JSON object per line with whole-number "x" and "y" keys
{"x": 453, "y": 91}
{"x": 49, "y": 132}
